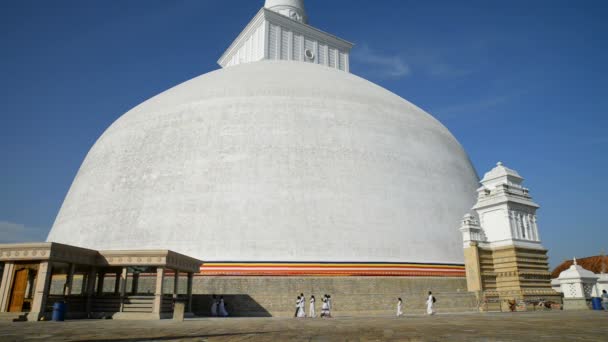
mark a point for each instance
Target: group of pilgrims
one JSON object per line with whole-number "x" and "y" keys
{"x": 301, "y": 304}
{"x": 326, "y": 307}
{"x": 218, "y": 307}
{"x": 430, "y": 305}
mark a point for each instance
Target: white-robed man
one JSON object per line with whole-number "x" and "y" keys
{"x": 430, "y": 303}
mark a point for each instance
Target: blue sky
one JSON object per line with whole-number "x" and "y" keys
{"x": 523, "y": 82}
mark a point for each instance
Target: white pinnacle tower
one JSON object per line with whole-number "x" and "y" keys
{"x": 280, "y": 32}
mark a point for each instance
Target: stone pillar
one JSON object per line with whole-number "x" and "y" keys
{"x": 135, "y": 283}
{"x": 123, "y": 287}
{"x": 189, "y": 306}
{"x": 90, "y": 290}
{"x": 5, "y": 285}
{"x": 158, "y": 293}
{"x": 69, "y": 281}
{"x": 41, "y": 292}
{"x": 117, "y": 284}
{"x": 175, "y": 284}
{"x": 472, "y": 267}
{"x": 100, "y": 277}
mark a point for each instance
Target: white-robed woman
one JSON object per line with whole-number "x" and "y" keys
{"x": 214, "y": 304}
{"x": 430, "y": 302}
{"x": 222, "y": 307}
{"x": 311, "y": 310}
{"x": 325, "y": 307}
{"x": 301, "y": 306}
{"x": 399, "y": 307}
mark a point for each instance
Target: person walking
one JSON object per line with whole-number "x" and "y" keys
{"x": 214, "y": 304}
{"x": 399, "y": 307}
{"x": 301, "y": 303}
{"x": 430, "y": 303}
{"x": 325, "y": 307}
{"x": 312, "y": 313}
{"x": 295, "y": 315}
{"x": 605, "y": 299}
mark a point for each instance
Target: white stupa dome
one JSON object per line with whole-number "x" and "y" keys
{"x": 274, "y": 161}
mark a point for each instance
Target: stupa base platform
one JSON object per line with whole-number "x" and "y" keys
{"x": 275, "y": 296}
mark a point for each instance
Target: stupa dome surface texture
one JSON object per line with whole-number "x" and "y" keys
{"x": 274, "y": 161}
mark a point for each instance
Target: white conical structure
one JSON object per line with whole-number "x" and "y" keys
{"x": 293, "y": 9}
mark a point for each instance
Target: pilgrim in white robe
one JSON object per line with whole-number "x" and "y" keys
{"x": 325, "y": 308}
{"x": 301, "y": 308}
{"x": 214, "y": 305}
{"x": 223, "y": 311}
{"x": 312, "y": 307}
{"x": 429, "y": 305}
{"x": 399, "y": 308}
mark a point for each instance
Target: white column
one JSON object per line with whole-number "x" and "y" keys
{"x": 534, "y": 224}
{"x": 290, "y": 44}
{"x": 158, "y": 293}
{"x": 337, "y": 58}
{"x": 512, "y": 224}
{"x": 41, "y": 293}
{"x": 302, "y": 57}
{"x": 5, "y": 285}
{"x": 279, "y": 42}
{"x": 530, "y": 229}
{"x": 123, "y": 287}
{"x": 175, "y": 284}
{"x": 266, "y": 40}
{"x": 347, "y": 62}
{"x": 515, "y": 224}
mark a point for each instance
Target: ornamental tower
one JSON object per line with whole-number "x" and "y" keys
{"x": 504, "y": 258}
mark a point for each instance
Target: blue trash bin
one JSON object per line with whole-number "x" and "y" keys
{"x": 596, "y": 303}
{"x": 59, "y": 309}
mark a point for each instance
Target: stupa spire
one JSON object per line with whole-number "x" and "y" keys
{"x": 293, "y": 9}
{"x": 280, "y": 31}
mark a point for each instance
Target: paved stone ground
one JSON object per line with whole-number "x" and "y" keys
{"x": 533, "y": 326}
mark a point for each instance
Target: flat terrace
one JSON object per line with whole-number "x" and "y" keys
{"x": 523, "y": 326}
